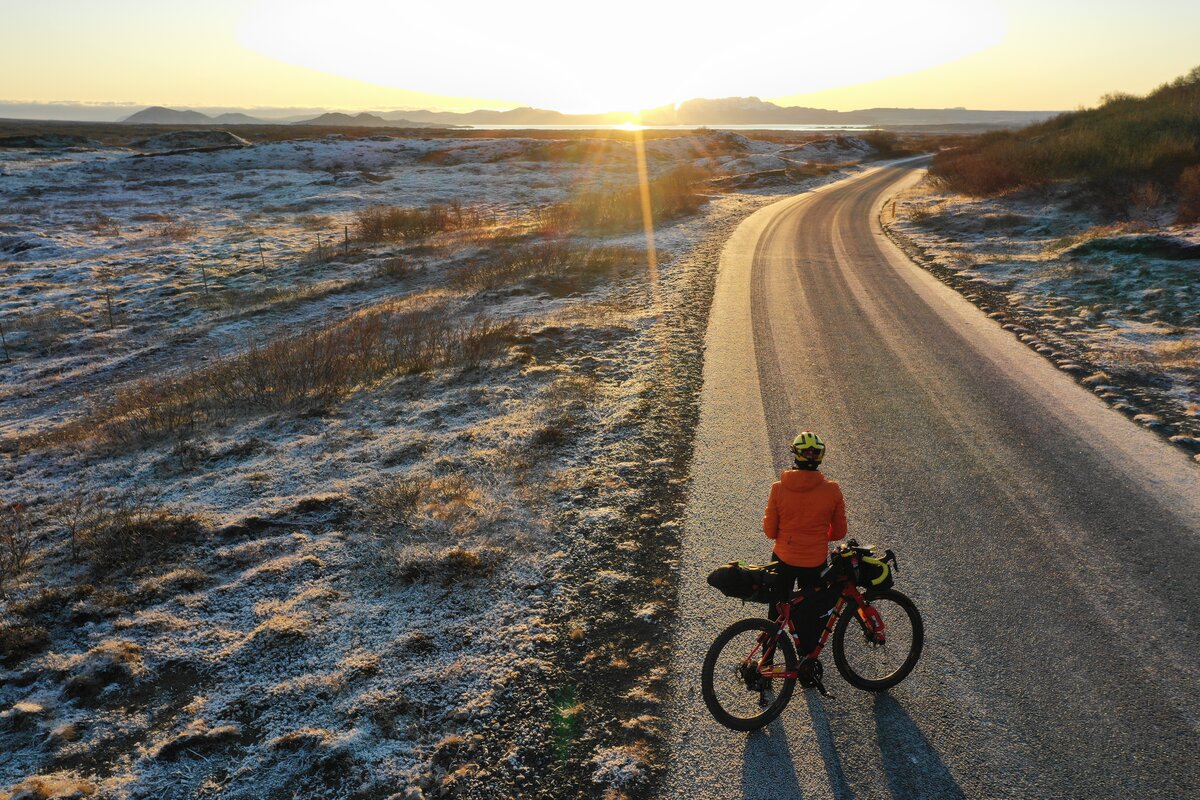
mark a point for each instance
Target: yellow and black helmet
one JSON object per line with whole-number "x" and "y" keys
{"x": 808, "y": 449}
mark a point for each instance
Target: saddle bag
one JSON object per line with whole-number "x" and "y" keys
{"x": 748, "y": 582}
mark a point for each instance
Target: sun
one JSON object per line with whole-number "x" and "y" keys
{"x": 621, "y": 54}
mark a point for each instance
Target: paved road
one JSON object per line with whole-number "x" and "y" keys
{"x": 1052, "y": 545}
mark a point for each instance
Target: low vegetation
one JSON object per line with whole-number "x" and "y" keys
{"x": 406, "y": 224}
{"x": 888, "y": 144}
{"x": 310, "y": 368}
{"x": 559, "y": 266}
{"x": 16, "y": 544}
{"x": 619, "y": 209}
{"x": 1129, "y": 150}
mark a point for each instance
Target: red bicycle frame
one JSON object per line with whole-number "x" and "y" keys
{"x": 850, "y": 594}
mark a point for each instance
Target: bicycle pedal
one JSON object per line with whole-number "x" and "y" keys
{"x": 820, "y": 687}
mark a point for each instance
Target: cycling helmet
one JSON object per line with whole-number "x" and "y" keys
{"x": 808, "y": 449}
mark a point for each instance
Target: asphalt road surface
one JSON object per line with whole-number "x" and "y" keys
{"x": 1052, "y": 545}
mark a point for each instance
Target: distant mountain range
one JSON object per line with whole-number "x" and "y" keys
{"x": 737, "y": 111}
{"x": 158, "y": 115}
{"x": 697, "y": 112}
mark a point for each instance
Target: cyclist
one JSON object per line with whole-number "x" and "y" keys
{"x": 805, "y": 512}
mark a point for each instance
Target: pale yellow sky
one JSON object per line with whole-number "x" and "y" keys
{"x": 369, "y": 54}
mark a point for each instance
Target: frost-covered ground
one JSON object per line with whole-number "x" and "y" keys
{"x": 360, "y": 596}
{"x": 1116, "y": 304}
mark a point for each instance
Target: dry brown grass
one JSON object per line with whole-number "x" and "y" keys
{"x": 396, "y": 268}
{"x": 178, "y": 230}
{"x": 124, "y": 529}
{"x": 315, "y": 222}
{"x": 44, "y": 330}
{"x": 16, "y": 544}
{"x": 101, "y": 224}
{"x": 1180, "y": 357}
{"x": 1183, "y": 354}
{"x": 1188, "y": 191}
{"x": 445, "y": 565}
{"x": 152, "y": 216}
{"x": 619, "y": 209}
{"x": 1125, "y": 143}
{"x": 404, "y": 224}
{"x": 560, "y": 266}
{"x": 313, "y": 368}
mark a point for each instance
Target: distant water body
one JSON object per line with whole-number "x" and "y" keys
{"x": 671, "y": 127}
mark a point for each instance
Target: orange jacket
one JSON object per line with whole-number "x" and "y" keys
{"x": 804, "y": 513}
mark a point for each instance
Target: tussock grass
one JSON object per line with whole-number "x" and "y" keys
{"x": 126, "y": 529}
{"x": 102, "y": 224}
{"x": 178, "y": 231}
{"x": 1117, "y": 149}
{"x": 618, "y": 209}
{"x": 278, "y": 298}
{"x": 395, "y": 268}
{"x": 18, "y": 642}
{"x": 1183, "y": 354}
{"x": 565, "y": 402}
{"x": 314, "y": 368}
{"x": 445, "y": 565}
{"x": 560, "y": 266}
{"x": 315, "y": 222}
{"x": 43, "y": 330}
{"x": 404, "y": 224}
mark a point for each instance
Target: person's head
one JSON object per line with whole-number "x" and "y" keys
{"x": 808, "y": 450}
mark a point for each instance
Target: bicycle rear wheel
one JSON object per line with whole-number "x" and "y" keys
{"x": 865, "y": 660}
{"x": 734, "y": 688}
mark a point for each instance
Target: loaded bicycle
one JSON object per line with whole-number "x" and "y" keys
{"x": 876, "y": 631}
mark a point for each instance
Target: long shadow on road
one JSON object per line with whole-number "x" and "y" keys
{"x": 829, "y": 754}
{"x": 767, "y": 767}
{"x": 913, "y": 766}
{"x": 768, "y": 770}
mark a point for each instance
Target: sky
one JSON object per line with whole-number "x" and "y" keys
{"x": 616, "y": 55}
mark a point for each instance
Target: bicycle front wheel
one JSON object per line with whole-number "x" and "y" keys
{"x": 740, "y": 691}
{"x": 873, "y": 662}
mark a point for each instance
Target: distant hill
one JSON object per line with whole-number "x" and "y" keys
{"x": 338, "y": 119}
{"x": 712, "y": 112}
{"x": 513, "y": 116}
{"x": 735, "y": 111}
{"x": 1128, "y": 150}
{"x": 365, "y": 120}
{"x": 157, "y": 115}
{"x": 236, "y": 118}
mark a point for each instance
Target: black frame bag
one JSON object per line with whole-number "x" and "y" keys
{"x": 748, "y": 582}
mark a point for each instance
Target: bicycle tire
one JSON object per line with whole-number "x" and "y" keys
{"x": 709, "y": 676}
{"x": 916, "y": 641}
